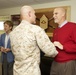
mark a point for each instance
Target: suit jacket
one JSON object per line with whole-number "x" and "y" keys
{"x": 10, "y": 57}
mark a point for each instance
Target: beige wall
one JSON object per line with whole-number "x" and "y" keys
{"x": 71, "y": 3}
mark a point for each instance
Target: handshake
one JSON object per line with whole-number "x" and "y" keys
{"x": 5, "y": 50}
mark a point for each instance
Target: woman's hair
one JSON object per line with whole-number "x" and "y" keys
{"x": 10, "y": 23}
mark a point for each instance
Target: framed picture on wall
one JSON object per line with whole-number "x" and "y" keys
{"x": 15, "y": 19}
{"x": 48, "y": 13}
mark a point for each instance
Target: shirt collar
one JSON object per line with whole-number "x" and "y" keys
{"x": 24, "y": 21}
{"x": 63, "y": 23}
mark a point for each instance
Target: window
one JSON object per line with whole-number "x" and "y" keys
{"x": 1, "y": 25}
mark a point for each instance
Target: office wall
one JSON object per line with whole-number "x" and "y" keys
{"x": 72, "y": 3}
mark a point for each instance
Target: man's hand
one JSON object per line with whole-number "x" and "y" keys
{"x": 58, "y": 44}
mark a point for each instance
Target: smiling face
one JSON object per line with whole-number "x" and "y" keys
{"x": 8, "y": 25}
{"x": 7, "y": 28}
{"x": 59, "y": 15}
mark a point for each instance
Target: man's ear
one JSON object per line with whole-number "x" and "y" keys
{"x": 29, "y": 13}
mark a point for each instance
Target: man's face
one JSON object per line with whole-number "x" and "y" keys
{"x": 57, "y": 15}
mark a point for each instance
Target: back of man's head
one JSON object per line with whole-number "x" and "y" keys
{"x": 25, "y": 10}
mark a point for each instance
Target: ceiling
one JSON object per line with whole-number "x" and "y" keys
{"x": 16, "y": 3}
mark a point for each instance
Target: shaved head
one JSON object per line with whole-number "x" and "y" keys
{"x": 28, "y": 14}
{"x": 60, "y": 9}
{"x": 26, "y": 9}
{"x": 59, "y": 15}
